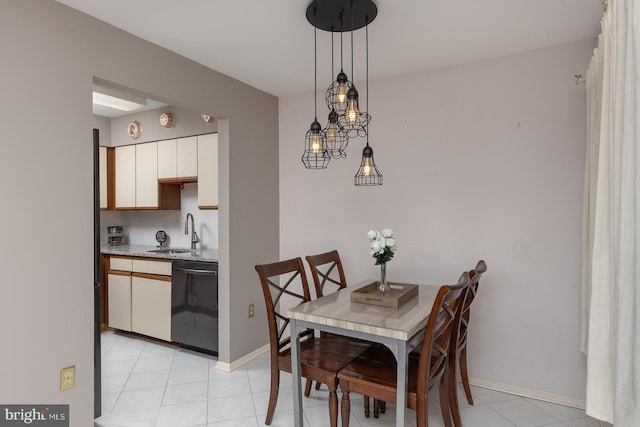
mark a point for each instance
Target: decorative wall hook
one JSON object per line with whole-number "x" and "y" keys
{"x": 579, "y": 78}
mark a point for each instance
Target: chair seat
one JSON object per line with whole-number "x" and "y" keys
{"x": 377, "y": 366}
{"x": 323, "y": 355}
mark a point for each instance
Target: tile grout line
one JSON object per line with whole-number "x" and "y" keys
{"x": 164, "y": 392}
{"x": 126, "y": 381}
{"x": 501, "y": 416}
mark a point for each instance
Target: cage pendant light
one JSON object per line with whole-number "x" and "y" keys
{"x": 368, "y": 173}
{"x": 336, "y": 139}
{"x": 336, "y": 96}
{"x": 354, "y": 122}
{"x": 315, "y": 154}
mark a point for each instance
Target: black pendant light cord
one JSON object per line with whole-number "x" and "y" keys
{"x": 332, "y": 65}
{"x": 341, "y": 15}
{"x": 366, "y": 32}
{"x": 353, "y": 79}
{"x": 315, "y": 64}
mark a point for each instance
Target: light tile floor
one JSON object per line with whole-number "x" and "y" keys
{"x": 150, "y": 384}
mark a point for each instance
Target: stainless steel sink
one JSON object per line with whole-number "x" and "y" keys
{"x": 170, "y": 251}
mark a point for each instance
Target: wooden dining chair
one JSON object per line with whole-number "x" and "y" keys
{"x": 374, "y": 372}
{"x": 458, "y": 348}
{"x": 326, "y": 269}
{"x": 321, "y": 357}
{"x": 461, "y": 339}
{"x": 327, "y": 272}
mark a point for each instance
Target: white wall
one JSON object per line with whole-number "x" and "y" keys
{"x": 140, "y": 227}
{"x": 480, "y": 161}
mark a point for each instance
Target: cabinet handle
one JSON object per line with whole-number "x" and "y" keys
{"x": 196, "y": 271}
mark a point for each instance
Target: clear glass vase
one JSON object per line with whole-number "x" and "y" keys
{"x": 383, "y": 287}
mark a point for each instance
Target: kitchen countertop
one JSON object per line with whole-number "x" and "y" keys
{"x": 208, "y": 255}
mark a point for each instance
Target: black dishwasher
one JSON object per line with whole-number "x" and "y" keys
{"x": 194, "y": 305}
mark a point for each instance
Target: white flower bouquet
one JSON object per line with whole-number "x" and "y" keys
{"x": 382, "y": 244}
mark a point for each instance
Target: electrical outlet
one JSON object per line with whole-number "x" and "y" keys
{"x": 250, "y": 310}
{"x": 67, "y": 378}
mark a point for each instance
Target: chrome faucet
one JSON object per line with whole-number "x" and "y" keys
{"x": 194, "y": 236}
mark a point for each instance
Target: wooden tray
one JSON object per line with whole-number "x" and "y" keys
{"x": 395, "y": 297}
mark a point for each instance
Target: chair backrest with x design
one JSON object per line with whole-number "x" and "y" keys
{"x": 326, "y": 268}
{"x": 279, "y": 279}
{"x": 475, "y": 276}
{"x": 437, "y": 340}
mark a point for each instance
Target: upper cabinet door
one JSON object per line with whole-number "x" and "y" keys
{"x": 187, "y": 157}
{"x": 178, "y": 159}
{"x": 167, "y": 159}
{"x": 147, "y": 176}
{"x": 126, "y": 177}
{"x": 208, "y": 171}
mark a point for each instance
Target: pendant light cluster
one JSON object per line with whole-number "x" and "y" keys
{"x": 345, "y": 120}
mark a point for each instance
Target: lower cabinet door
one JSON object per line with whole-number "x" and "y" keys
{"x": 119, "y": 301}
{"x": 151, "y": 306}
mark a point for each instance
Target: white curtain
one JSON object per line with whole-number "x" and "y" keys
{"x": 611, "y": 244}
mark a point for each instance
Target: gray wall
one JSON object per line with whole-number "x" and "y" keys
{"x": 50, "y": 56}
{"x": 482, "y": 160}
{"x": 103, "y": 124}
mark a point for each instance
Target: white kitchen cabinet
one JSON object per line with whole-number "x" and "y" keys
{"x": 119, "y": 297}
{"x": 146, "y": 173}
{"x": 151, "y": 306}
{"x": 139, "y": 296}
{"x": 187, "y": 157}
{"x": 102, "y": 173}
{"x": 125, "y": 177}
{"x": 208, "y": 171}
{"x": 167, "y": 159}
{"x": 178, "y": 159}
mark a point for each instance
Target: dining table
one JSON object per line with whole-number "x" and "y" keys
{"x": 400, "y": 329}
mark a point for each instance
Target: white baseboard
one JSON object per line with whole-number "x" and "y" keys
{"x": 228, "y": 367}
{"x": 528, "y": 392}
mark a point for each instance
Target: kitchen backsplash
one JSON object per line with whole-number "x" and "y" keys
{"x": 140, "y": 227}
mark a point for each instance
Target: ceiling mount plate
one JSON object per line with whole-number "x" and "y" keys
{"x": 328, "y": 12}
